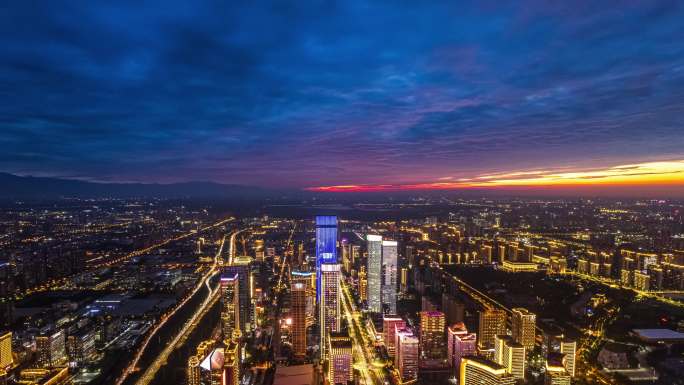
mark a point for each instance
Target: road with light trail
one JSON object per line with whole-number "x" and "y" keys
{"x": 188, "y": 326}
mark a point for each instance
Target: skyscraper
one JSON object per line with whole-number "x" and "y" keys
{"x": 51, "y": 349}
{"x": 569, "y": 348}
{"x": 389, "y": 326}
{"x": 374, "y": 273}
{"x": 523, "y": 325}
{"x": 460, "y": 343}
{"x": 326, "y": 246}
{"x": 194, "y": 376}
{"x": 492, "y": 323}
{"x": 298, "y": 303}
{"x": 241, "y": 267}
{"x": 230, "y": 304}
{"x": 346, "y": 256}
{"x": 308, "y": 279}
{"x": 363, "y": 284}
{"x": 340, "y": 358}
{"x": 480, "y": 371}
{"x": 406, "y": 359}
{"x": 231, "y": 363}
{"x": 389, "y": 277}
{"x": 355, "y": 251}
{"x": 432, "y": 337}
{"x": 511, "y": 355}
{"x": 329, "y": 319}
{"x": 6, "y": 359}
{"x": 403, "y": 281}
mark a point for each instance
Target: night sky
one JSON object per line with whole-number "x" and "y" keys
{"x": 367, "y": 95}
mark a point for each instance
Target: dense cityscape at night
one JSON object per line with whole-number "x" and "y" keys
{"x": 441, "y": 290}
{"x": 342, "y": 193}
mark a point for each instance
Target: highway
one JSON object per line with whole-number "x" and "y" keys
{"x": 364, "y": 353}
{"x": 280, "y": 286}
{"x": 615, "y": 284}
{"x": 211, "y": 297}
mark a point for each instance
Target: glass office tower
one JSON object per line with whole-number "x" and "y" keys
{"x": 326, "y": 245}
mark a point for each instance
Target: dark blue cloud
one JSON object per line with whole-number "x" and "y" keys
{"x": 317, "y": 92}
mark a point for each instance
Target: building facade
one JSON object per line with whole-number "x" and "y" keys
{"x": 340, "y": 358}
{"x": 406, "y": 360}
{"x": 492, "y": 322}
{"x": 330, "y": 302}
{"x": 460, "y": 343}
{"x": 523, "y": 327}
{"x": 241, "y": 267}
{"x": 433, "y": 348}
{"x": 230, "y": 304}
{"x": 374, "y": 273}
{"x": 326, "y": 246}
{"x": 298, "y": 305}
{"x": 479, "y": 371}
{"x": 511, "y": 355}
{"x": 389, "y": 326}
{"x": 6, "y": 359}
{"x": 389, "y": 277}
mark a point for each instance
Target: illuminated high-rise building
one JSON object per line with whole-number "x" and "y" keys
{"x": 406, "y": 356}
{"x": 389, "y": 277}
{"x": 460, "y": 343}
{"x": 340, "y": 358}
{"x": 230, "y": 304}
{"x": 363, "y": 285}
{"x": 231, "y": 363}
{"x": 403, "y": 283}
{"x": 308, "y": 279}
{"x": 492, "y": 322}
{"x": 240, "y": 267}
{"x": 346, "y": 256}
{"x": 523, "y": 327}
{"x": 511, "y": 355}
{"x": 326, "y": 246}
{"x": 480, "y": 371}
{"x": 555, "y": 373}
{"x": 374, "y": 273}
{"x": 433, "y": 348}
{"x": 568, "y": 347}
{"x": 298, "y": 304}
{"x": 194, "y": 375}
{"x": 80, "y": 346}
{"x": 389, "y": 327}
{"x": 330, "y": 301}
{"x": 354, "y": 253}
{"x": 6, "y": 359}
{"x": 51, "y": 349}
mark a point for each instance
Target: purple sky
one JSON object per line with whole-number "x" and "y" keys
{"x": 317, "y": 93}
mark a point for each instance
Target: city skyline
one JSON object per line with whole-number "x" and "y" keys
{"x": 556, "y": 97}
{"x": 356, "y": 192}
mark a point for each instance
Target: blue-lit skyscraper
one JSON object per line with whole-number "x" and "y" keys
{"x": 326, "y": 245}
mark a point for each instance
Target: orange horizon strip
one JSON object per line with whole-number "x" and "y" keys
{"x": 666, "y": 173}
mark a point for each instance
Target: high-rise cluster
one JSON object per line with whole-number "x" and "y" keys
{"x": 382, "y": 275}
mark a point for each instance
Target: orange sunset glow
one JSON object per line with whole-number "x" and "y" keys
{"x": 649, "y": 173}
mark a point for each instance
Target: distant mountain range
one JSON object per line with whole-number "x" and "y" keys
{"x": 28, "y": 187}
